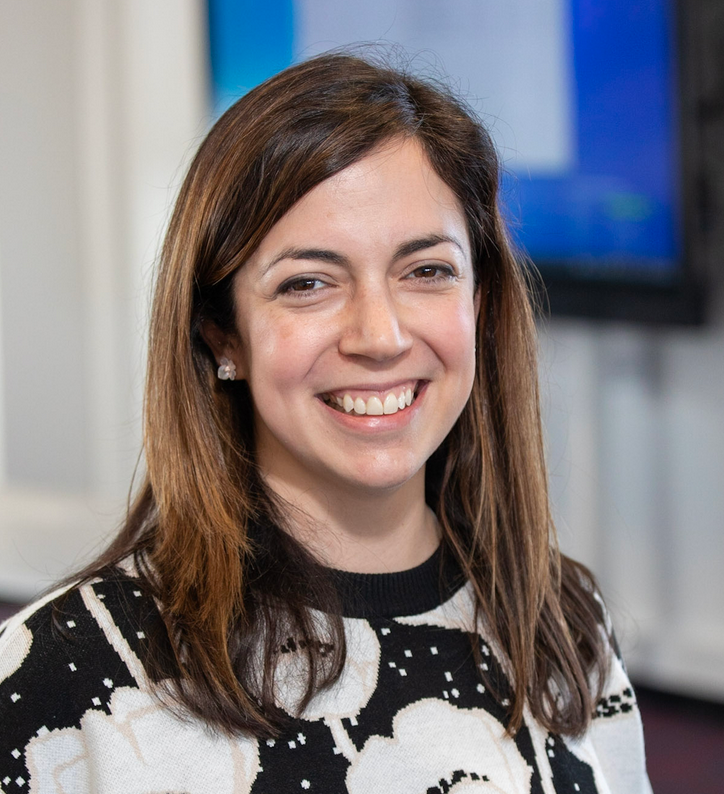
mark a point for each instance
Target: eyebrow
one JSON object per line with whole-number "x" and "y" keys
{"x": 421, "y": 243}
{"x": 335, "y": 258}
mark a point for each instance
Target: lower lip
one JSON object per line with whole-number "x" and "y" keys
{"x": 376, "y": 424}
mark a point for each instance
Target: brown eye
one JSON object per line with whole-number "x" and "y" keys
{"x": 300, "y": 285}
{"x": 425, "y": 272}
{"x": 303, "y": 286}
{"x": 432, "y": 272}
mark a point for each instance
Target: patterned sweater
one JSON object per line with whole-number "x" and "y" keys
{"x": 409, "y": 715}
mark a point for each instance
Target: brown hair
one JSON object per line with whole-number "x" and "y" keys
{"x": 206, "y": 533}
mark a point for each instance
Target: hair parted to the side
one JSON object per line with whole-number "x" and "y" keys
{"x": 207, "y": 535}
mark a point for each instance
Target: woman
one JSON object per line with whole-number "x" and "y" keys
{"x": 340, "y": 570}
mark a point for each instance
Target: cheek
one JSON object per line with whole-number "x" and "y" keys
{"x": 455, "y": 335}
{"x": 281, "y": 352}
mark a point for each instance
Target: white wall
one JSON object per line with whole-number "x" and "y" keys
{"x": 42, "y": 312}
{"x": 636, "y": 453}
{"x": 100, "y": 101}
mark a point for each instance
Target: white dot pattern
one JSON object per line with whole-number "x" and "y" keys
{"x": 414, "y": 661}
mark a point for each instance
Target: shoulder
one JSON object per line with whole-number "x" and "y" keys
{"x": 79, "y": 708}
{"x": 68, "y": 653}
{"x": 614, "y": 742}
{"x": 64, "y": 624}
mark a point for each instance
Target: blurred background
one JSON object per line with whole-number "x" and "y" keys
{"x": 102, "y": 104}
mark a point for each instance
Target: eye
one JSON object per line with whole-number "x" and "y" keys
{"x": 432, "y": 273}
{"x": 300, "y": 284}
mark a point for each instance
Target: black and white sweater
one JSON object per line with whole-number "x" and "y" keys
{"x": 408, "y": 716}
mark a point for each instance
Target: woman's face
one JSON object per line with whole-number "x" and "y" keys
{"x": 356, "y": 327}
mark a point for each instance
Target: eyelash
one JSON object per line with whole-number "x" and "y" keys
{"x": 442, "y": 273}
{"x": 288, "y": 287}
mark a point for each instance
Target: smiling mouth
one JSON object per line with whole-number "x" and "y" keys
{"x": 382, "y": 404}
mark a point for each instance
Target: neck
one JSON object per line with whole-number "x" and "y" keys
{"x": 360, "y": 531}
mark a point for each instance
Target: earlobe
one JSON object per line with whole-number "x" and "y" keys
{"x": 224, "y": 348}
{"x": 215, "y": 338}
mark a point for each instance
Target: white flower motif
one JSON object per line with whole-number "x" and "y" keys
{"x": 456, "y": 613}
{"x": 58, "y": 763}
{"x": 350, "y": 694}
{"x": 433, "y": 739}
{"x": 139, "y": 747}
{"x": 13, "y": 650}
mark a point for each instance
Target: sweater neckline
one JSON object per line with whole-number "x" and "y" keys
{"x": 411, "y": 592}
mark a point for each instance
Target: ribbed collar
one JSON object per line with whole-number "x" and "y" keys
{"x": 411, "y": 592}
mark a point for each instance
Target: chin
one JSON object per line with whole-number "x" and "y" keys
{"x": 390, "y": 478}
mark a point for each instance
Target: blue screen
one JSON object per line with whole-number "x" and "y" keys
{"x": 616, "y": 212}
{"x": 613, "y": 210}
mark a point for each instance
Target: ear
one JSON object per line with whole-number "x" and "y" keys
{"x": 223, "y": 345}
{"x": 477, "y": 298}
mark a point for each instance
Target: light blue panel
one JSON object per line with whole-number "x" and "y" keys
{"x": 250, "y": 40}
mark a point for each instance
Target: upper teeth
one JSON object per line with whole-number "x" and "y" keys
{"x": 374, "y": 405}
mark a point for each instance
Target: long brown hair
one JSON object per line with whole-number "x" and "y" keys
{"x": 206, "y": 533}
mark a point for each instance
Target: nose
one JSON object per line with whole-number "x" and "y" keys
{"x": 374, "y": 326}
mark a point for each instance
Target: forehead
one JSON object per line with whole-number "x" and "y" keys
{"x": 390, "y": 195}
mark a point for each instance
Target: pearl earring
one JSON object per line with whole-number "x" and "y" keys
{"x": 226, "y": 370}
